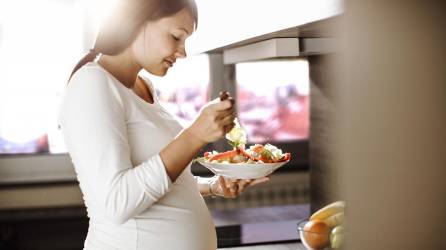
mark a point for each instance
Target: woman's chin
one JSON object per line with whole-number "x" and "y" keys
{"x": 159, "y": 72}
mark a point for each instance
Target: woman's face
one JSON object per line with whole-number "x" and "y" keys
{"x": 160, "y": 43}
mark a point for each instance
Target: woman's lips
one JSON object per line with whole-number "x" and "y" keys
{"x": 168, "y": 63}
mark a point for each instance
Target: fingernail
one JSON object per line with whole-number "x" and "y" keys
{"x": 224, "y": 95}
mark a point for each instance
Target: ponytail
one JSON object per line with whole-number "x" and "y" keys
{"x": 89, "y": 57}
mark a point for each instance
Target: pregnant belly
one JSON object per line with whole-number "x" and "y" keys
{"x": 165, "y": 227}
{"x": 162, "y": 228}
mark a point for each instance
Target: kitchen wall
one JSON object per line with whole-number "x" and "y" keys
{"x": 391, "y": 136}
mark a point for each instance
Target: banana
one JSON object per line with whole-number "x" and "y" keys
{"x": 335, "y": 220}
{"x": 329, "y": 210}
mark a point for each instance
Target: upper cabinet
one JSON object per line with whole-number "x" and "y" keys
{"x": 229, "y": 24}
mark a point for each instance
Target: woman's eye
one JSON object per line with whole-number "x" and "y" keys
{"x": 175, "y": 38}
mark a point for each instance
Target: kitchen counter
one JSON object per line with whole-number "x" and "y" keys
{"x": 259, "y": 226}
{"x": 287, "y": 246}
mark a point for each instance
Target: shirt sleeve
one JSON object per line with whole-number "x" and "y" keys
{"x": 94, "y": 127}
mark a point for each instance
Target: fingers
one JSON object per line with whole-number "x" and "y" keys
{"x": 232, "y": 188}
{"x": 257, "y": 181}
{"x": 236, "y": 187}
{"x": 224, "y": 95}
{"x": 229, "y": 187}
{"x": 222, "y": 114}
{"x": 242, "y": 184}
{"x": 223, "y": 186}
{"x": 228, "y": 128}
{"x": 231, "y": 100}
{"x": 226, "y": 119}
{"x": 225, "y": 111}
{"x": 224, "y": 102}
{"x": 215, "y": 119}
{"x": 218, "y": 105}
{"x": 232, "y": 185}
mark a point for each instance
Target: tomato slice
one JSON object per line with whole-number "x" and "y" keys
{"x": 286, "y": 157}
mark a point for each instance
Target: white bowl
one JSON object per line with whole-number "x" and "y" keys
{"x": 242, "y": 170}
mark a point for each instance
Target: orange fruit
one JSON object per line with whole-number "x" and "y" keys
{"x": 316, "y": 234}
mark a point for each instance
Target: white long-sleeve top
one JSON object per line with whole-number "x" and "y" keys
{"x": 114, "y": 138}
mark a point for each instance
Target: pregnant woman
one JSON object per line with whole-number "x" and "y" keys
{"x": 131, "y": 157}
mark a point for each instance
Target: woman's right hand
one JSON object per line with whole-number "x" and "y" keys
{"x": 215, "y": 119}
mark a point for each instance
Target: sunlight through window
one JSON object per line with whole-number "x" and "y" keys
{"x": 273, "y": 100}
{"x": 39, "y": 44}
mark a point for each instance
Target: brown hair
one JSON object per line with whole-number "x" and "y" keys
{"x": 121, "y": 26}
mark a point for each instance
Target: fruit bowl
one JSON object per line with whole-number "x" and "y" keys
{"x": 329, "y": 239}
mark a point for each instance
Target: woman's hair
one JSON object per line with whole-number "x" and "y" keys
{"x": 121, "y": 26}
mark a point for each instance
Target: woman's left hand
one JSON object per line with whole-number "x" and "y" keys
{"x": 231, "y": 188}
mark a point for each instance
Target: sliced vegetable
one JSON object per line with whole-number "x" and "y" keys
{"x": 257, "y": 153}
{"x": 286, "y": 157}
{"x": 240, "y": 155}
{"x": 224, "y": 155}
{"x": 246, "y": 154}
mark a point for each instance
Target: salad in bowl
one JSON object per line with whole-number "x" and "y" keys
{"x": 244, "y": 163}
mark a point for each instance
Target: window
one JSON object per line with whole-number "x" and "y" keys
{"x": 40, "y": 42}
{"x": 39, "y": 45}
{"x": 184, "y": 90}
{"x": 273, "y": 100}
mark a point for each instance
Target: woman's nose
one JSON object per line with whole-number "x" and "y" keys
{"x": 181, "y": 53}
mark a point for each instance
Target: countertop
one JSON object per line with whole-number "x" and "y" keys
{"x": 259, "y": 226}
{"x": 287, "y": 246}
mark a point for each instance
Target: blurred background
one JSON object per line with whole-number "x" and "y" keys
{"x": 42, "y": 40}
{"x": 358, "y": 98}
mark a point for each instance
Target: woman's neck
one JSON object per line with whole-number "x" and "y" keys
{"x": 122, "y": 66}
